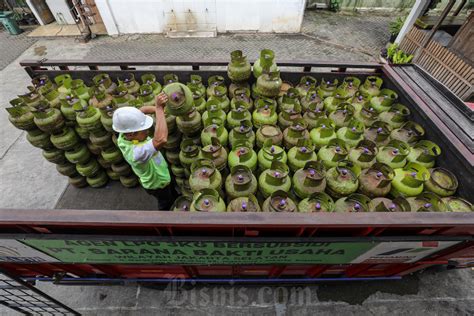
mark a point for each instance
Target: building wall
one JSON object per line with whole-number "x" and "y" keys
{"x": 161, "y": 16}
{"x": 280, "y": 16}
{"x": 61, "y": 11}
{"x": 379, "y": 5}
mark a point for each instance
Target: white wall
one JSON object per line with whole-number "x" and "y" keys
{"x": 280, "y": 16}
{"x": 137, "y": 16}
{"x": 377, "y": 4}
{"x": 160, "y": 16}
{"x": 61, "y": 11}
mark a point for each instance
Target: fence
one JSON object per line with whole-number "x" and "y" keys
{"x": 441, "y": 63}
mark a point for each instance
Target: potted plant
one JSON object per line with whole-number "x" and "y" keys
{"x": 395, "y": 26}
{"x": 394, "y": 55}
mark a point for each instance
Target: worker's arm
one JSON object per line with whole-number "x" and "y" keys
{"x": 161, "y": 129}
{"x": 148, "y": 109}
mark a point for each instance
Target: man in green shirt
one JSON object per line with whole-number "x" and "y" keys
{"x": 143, "y": 152}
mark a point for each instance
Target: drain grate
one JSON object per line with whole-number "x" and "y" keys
{"x": 28, "y": 300}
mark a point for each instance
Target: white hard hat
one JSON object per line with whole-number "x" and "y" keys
{"x": 129, "y": 119}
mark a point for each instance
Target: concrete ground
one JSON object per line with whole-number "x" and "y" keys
{"x": 429, "y": 293}
{"x": 28, "y": 181}
{"x": 13, "y": 46}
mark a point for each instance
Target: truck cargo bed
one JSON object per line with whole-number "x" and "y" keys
{"x": 96, "y": 243}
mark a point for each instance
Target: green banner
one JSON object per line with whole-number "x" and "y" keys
{"x": 202, "y": 253}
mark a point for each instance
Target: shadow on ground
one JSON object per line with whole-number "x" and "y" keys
{"x": 113, "y": 196}
{"x": 358, "y": 292}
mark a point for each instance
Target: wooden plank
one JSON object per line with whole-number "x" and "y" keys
{"x": 459, "y": 72}
{"x": 437, "y": 66}
{"x": 445, "y": 75}
{"x": 463, "y": 41}
{"x": 413, "y": 48}
{"x": 417, "y": 81}
{"x": 468, "y": 94}
{"x": 414, "y": 35}
{"x": 96, "y": 17}
{"x": 414, "y": 38}
{"x": 450, "y": 75}
{"x": 462, "y": 90}
{"x": 421, "y": 35}
{"x": 466, "y": 71}
{"x": 411, "y": 40}
{"x": 425, "y": 59}
{"x": 426, "y": 51}
{"x": 463, "y": 70}
{"x": 442, "y": 107}
{"x": 433, "y": 64}
{"x": 457, "y": 64}
{"x": 445, "y": 55}
{"x": 458, "y": 85}
{"x": 450, "y": 58}
{"x": 446, "y": 93}
{"x": 428, "y": 21}
{"x": 407, "y": 42}
{"x": 429, "y": 60}
{"x": 452, "y": 84}
{"x": 449, "y": 81}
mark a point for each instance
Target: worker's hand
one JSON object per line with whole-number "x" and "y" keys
{"x": 161, "y": 100}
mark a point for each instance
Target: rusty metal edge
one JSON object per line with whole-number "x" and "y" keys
{"x": 263, "y": 239}
{"x": 81, "y": 62}
{"x": 160, "y": 218}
